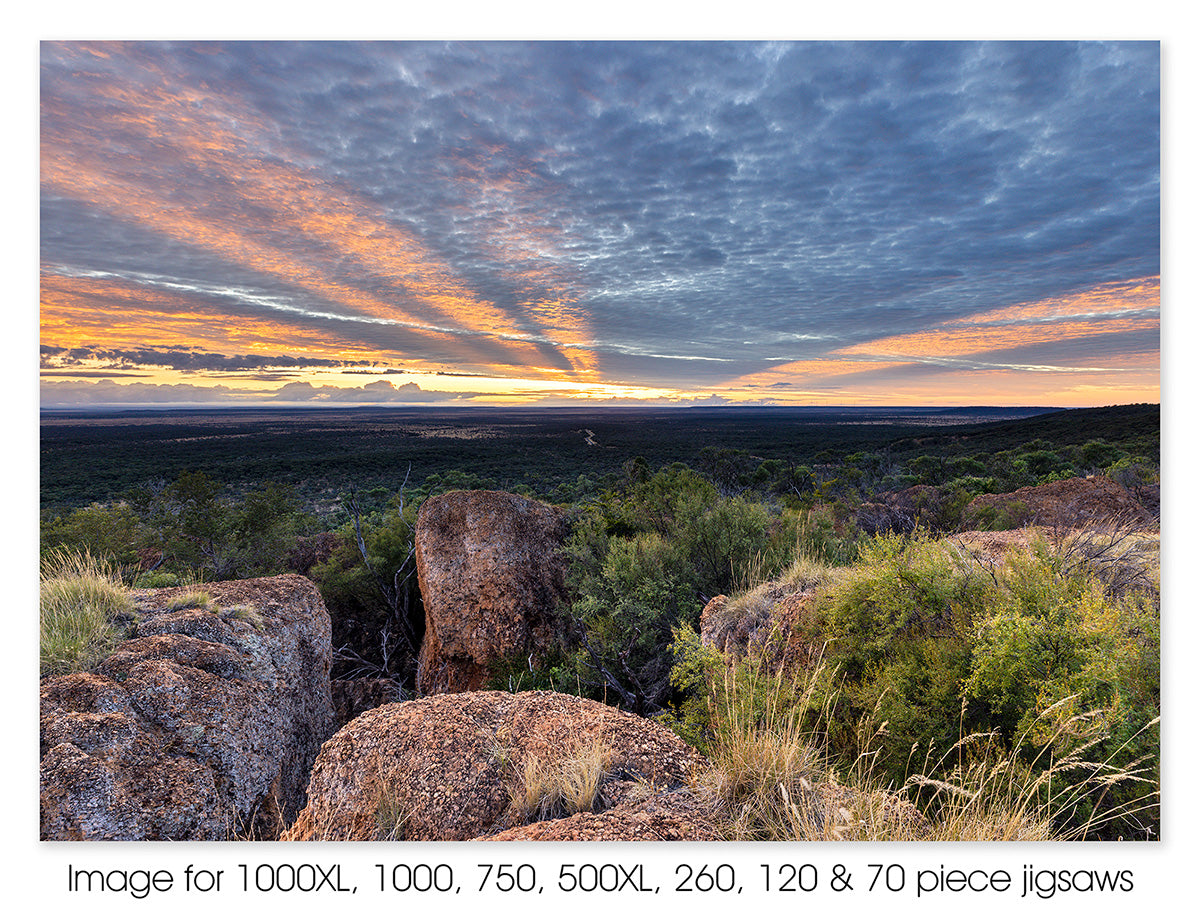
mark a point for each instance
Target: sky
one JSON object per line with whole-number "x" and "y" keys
{"x": 525, "y": 223}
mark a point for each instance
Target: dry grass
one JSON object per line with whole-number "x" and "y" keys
{"x": 192, "y": 599}
{"x": 392, "y": 814}
{"x": 990, "y": 795}
{"x": 749, "y": 607}
{"x": 80, "y": 599}
{"x": 770, "y": 779}
{"x": 244, "y": 613}
{"x": 1122, "y": 557}
{"x": 762, "y": 755}
{"x": 548, "y": 788}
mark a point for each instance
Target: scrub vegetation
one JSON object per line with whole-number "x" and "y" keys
{"x": 1011, "y": 695}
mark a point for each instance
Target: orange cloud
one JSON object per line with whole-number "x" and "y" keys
{"x": 276, "y": 205}
{"x": 76, "y": 312}
{"x": 1130, "y": 306}
{"x": 801, "y": 374}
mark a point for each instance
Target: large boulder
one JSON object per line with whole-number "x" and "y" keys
{"x": 203, "y": 725}
{"x": 454, "y": 766}
{"x": 492, "y": 578}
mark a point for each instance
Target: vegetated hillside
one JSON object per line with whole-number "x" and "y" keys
{"x": 322, "y": 453}
{"x": 1135, "y": 427}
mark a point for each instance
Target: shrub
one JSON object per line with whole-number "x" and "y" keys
{"x": 374, "y": 603}
{"x": 153, "y": 579}
{"x": 1058, "y": 634}
{"x": 818, "y": 537}
{"x": 903, "y": 589}
{"x": 645, "y": 561}
{"x": 102, "y": 531}
{"x": 80, "y": 602}
{"x": 930, "y": 646}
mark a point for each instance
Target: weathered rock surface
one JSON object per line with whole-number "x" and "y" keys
{"x": 667, "y": 816}
{"x": 491, "y": 579}
{"x": 1094, "y": 501}
{"x": 441, "y": 767}
{"x": 771, "y": 623}
{"x": 202, "y": 726}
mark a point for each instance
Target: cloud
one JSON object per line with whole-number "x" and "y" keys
{"x": 639, "y": 212}
{"x": 102, "y": 392}
{"x": 182, "y": 358}
{"x": 377, "y": 391}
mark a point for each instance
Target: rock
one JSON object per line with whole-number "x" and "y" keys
{"x": 492, "y": 578}
{"x": 715, "y": 623}
{"x": 444, "y": 767}
{"x": 989, "y": 547}
{"x": 668, "y": 816}
{"x": 1094, "y": 501}
{"x": 770, "y": 622}
{"x": 202, "y": 726}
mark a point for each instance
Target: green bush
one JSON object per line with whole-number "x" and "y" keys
{"x": 1058, "y": 642}
{"x": 376, "y": 611}
{"x": 902, "y": 589}
{"x": 102, "y": 531}
{"x": 201, "y": 529}
{"x": 643, "y": 563}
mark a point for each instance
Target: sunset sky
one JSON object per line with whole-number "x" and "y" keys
{"x": 666, "y": 222}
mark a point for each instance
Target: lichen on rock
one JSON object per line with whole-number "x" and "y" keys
{"x": 492, "y": 578}
{"x": 202, "y": 726}
{"x": 443, "y": 767}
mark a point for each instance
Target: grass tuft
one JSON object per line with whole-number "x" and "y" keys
{"x": 545, "y": 789}
{"x": 80, "y": 599}
{"x": 192, "y": 599}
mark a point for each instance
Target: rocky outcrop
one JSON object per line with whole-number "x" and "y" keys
{"x": 203, "y": 725}
{"x": 492, "y": 578}
{"x": 771, "y": 622}
{"x": 1094, "y": 501}
{"x": 451, "y": 766}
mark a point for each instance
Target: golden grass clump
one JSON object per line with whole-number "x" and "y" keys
{"x": 80, "y": 597}
{"x": 761, "y": 754}
{"x": 770, "y": 777}
{"x": 192, "y": 599}
{"x": 548, "y": 788}
{"x": 990, "y": 795}
{"x": 244, "y": 613}
{"x": 392, "y": 812}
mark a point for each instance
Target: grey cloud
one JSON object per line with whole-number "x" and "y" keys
{"x": 102, "y": 392}
{"x": 688, "y": 196}
{"x": 183, "y": 358}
